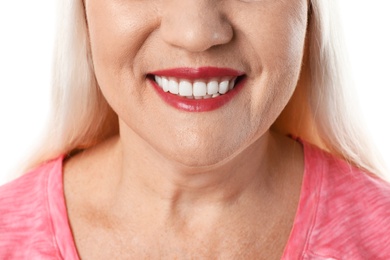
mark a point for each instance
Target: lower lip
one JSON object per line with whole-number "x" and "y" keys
{"x": 197, "y": 105}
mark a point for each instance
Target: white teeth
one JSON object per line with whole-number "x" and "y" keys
{"x": 165, "y": 84}
{"x": 223, "y": 87}
{"x": 231, "y": 84}
{"x": 158, "y": 80}
{"x": 212, "y": 87}
{"x": 198, "y": 89}
{"x": 185, "y": 88}
{"x": 173, "y": 86}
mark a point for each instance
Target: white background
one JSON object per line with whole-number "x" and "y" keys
{"x": 26, "y": 39}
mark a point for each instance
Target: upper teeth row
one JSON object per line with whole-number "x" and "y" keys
{"x": 197, "y": 88}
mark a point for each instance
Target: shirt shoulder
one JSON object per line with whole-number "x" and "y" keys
{"x": 352, "y": 214}
{"x": 26, "y": 228}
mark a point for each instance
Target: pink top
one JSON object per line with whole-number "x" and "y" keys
{"x": 343, "y": 213}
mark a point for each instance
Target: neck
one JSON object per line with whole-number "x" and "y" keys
{"x": 144, "y": 171}
{"x": 140, "y": 183}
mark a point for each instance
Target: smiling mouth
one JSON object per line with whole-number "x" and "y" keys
{"x": 197, "y": 88}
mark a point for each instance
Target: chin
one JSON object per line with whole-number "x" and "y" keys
{"x": 202, "y": 155}
{"x": 198, "y": 161}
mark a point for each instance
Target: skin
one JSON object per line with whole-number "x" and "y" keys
{"x": 180, "y": 185}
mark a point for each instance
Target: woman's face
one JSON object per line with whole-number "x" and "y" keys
{"x": 197, "y": 48}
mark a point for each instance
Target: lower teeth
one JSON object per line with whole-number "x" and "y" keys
{"x": 202, "y": 97}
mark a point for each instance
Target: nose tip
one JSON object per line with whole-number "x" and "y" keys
{"x": 195, "y": 25}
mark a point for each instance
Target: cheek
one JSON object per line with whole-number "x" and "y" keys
{"x": 279, "y": 43}
{"x": 279, "y": 47}
{"x": 117, "y": 34}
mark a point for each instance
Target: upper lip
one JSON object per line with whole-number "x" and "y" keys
{"x": 198, "y": 73}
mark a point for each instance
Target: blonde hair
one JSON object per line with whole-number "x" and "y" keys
{"x": 82, "y": 118}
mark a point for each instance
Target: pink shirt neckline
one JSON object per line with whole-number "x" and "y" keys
{"x": 306, "y": 213}
{"x": 57, "y": 207}
{"x": 343, "y": 213}
{"x": 296, "y": 245}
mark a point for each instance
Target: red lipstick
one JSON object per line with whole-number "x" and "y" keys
{"x": 203, "y": 73}
{"x": 198, "y": 73}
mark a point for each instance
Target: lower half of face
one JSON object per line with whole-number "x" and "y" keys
{"x": 199, "y": 90}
